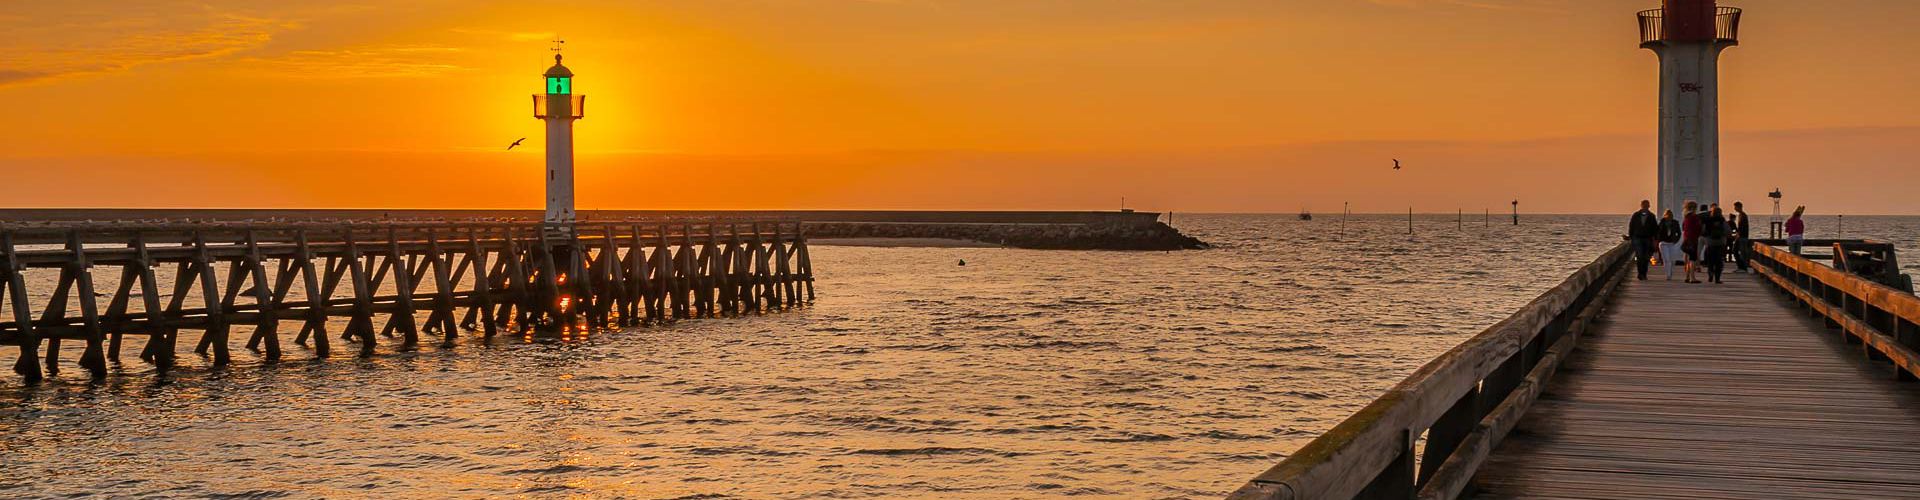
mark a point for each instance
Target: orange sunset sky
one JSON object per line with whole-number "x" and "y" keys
{"x": 1224, "y": 105}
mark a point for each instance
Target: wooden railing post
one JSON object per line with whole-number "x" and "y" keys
{"x": 1397, "y": 481}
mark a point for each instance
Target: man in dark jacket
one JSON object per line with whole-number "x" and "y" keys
{"x": 1642, "y": 230}
{"x": 1742, "y": 232}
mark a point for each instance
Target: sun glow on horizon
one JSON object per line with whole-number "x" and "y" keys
{"x": 1224, "y": 105}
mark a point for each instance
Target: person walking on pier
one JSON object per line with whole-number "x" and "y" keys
{"x": 1690, "y": 227}
{"x": 1742, "y": 236}
{"x": 1714, "y": 233}
{"x": 1669, "y": 243}
{"x": 1641, "y": 231}
{"x": 1796, "y": 230}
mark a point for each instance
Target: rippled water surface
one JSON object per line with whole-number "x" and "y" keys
{"x": 1021, "y": 374}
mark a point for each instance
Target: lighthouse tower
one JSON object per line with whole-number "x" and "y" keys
{"x": 1688, "y": 35}
{"x": 559, "y": 107}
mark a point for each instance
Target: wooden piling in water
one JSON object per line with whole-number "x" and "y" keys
{"x": 609, "y": 274}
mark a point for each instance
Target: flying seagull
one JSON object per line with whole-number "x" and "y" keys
{"x": 523, "y": 139}
{"x": 1396, "y": 164}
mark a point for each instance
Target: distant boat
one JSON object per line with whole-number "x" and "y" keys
{"x": 1305, "y": 215}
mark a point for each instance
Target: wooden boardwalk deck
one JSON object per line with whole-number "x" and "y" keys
{"x": 1712, "y": 391}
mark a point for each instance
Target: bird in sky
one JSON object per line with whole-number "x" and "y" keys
{"x": 523, "y": 139}
{"x": 1396, "y": 164}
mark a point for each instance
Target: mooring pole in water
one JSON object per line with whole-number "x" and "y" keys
{"x": 1516, "y": 212}
{"x": 1460, "y": 219}
{"x": 1487, "y": 217}
{"x": 1409, "y": 220}
{"x": 1842, "y": 226}
{"x": 1346, "y": 209}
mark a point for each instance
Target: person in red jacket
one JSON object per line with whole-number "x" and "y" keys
{"x": 1690, "y": 229}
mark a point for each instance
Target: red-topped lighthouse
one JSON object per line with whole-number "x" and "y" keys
{"x": 1688, "y": 35}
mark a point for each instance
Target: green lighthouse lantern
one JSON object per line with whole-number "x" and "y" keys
{"x": 559, "y": 78}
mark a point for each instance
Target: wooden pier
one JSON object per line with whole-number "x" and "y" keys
{"x": 1792, "y": 382}
{"x": 401, "y": 279}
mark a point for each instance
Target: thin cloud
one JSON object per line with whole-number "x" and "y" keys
{"x": 1514, "y": 5}
{"x": 362, "y": 62}
{"x": 47, "y": 51}
{"x": 514, "y": 36}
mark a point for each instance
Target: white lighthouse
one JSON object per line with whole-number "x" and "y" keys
{"x": 1688, "y": 35}
{"x": 559, "y": 107}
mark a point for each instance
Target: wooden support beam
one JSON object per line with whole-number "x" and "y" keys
{"x": 662, "y": 288}
{"x": 268, "y": 328}
{"x": 317, "y": 297}
{"x": 404, "y": 282}
{"x": 613, "y": 294}
{"x": 684, "y": 274}
{"x": 636, "y": 256}
{"x": 361, "y": 324}
{"x": 56, "y": 313}
{"x": 216, "y": 332}
{"x": 27, "y": 366}
{"x": 443, "y": 292}
{"x": 783, "y": 270}
{"x": 160, "y": 337}
{"x": 117, "y": 311}
{"x": 93, "y": 358}
{"x": 805, "y": 261}
{"x": 520, "y": 288}
{"x": 482, "y": 281}
{"x": 550, "y": 280}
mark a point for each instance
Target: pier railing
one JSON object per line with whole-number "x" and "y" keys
{"x": 1880, "y": 318}
{"x": 501, "y": 275}
{"x": 1463, "y": 403}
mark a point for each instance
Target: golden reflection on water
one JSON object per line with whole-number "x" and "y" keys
{"x": 1023, "y": 374}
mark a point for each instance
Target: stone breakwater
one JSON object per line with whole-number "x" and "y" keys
{"x": 1087, "y": 236}
{"x": 1057, "y": 230}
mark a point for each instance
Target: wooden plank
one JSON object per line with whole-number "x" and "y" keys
{"x": 1712, "y": 391}
{"x": 1453, "y": 476}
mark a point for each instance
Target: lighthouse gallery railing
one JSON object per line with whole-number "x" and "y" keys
{"x": 1726, "y": 25}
